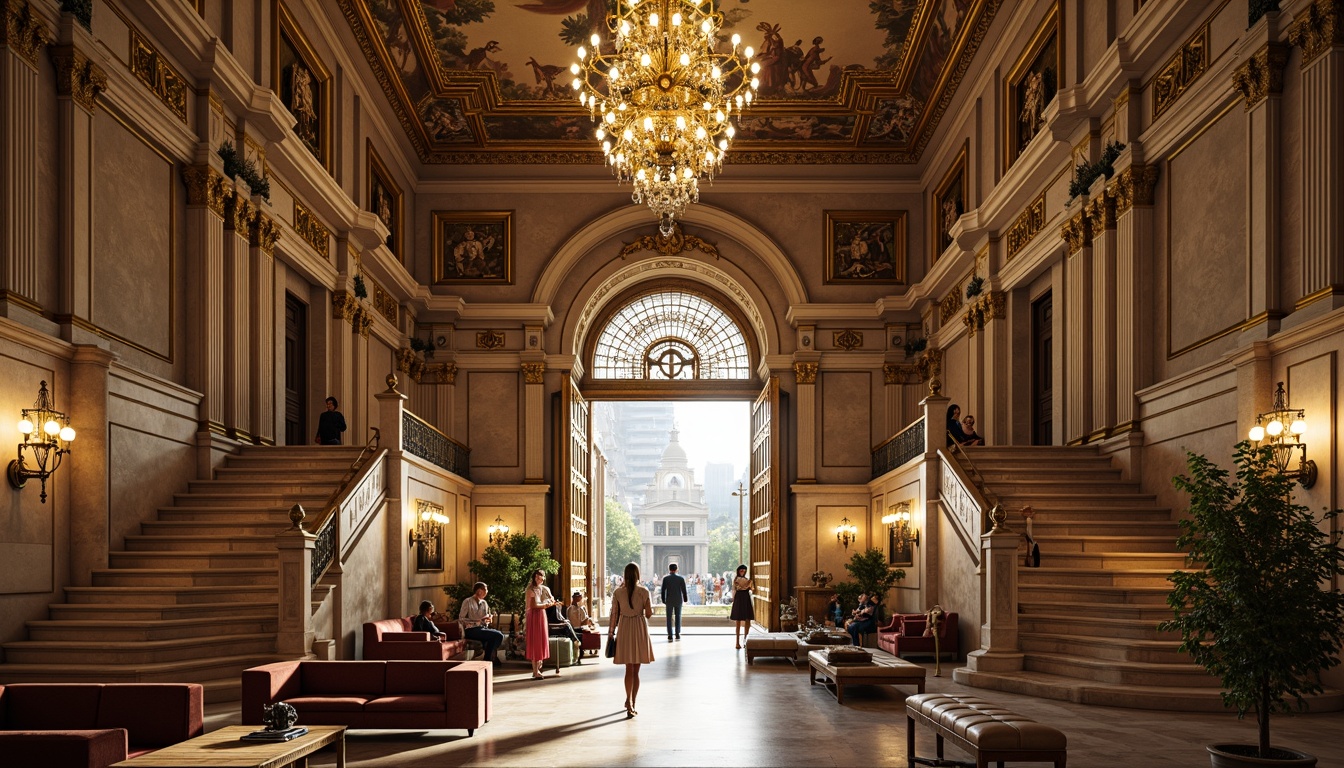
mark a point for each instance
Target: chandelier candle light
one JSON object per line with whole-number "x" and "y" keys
{"x": 45, "y": 434}
{"x": 662, "y": 92}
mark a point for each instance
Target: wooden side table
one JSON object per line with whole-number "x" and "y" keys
{"x": 225, "y": 749}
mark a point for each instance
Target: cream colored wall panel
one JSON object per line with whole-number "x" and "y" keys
{"x": 362, "y": 597}
{"x": 145, "y": 472}
{"x": 134, "y": 230}
{"x": 1311, "y": 384}
{"x": 959, "y": 585}
{"x": 1206, "y": 270}
{"x": 846, "y": 419}
{"x": 27, "y": 568}
{"x": 493, "y": 425}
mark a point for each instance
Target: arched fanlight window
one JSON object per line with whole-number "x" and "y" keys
{"x": 671, "y": 335}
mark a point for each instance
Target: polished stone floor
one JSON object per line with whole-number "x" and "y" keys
{"x": 701, "y": 705}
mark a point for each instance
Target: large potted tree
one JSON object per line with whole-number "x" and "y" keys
{"x": 1256, "y": 607}
{"x": 869, "y": 574}
{"x": 506, "y": 566}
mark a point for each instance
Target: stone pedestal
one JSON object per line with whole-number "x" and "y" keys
{"x": 295, "y": 638}
{"x": 999, "y": 649}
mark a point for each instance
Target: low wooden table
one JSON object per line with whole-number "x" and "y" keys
{"x": 885, "y": 669}
{"x": 225, "y": 749}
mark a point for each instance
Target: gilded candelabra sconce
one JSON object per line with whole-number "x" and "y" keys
{"x": 47, "y": 435}
{"x": 846, "y": 532}
{"x": 898, "y": 519}
{"x": 1282, "y": 428}
{"x": 428, "y": 527}
{"x": 497, "y": 530}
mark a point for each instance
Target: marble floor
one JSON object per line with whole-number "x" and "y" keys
{"x": 701, "y": 705}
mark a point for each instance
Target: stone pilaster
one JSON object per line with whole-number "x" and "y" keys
{"x": 398, "y": 518}
{"x": 992, "y": 416}
{"x": 22, "y": 37}
{"x": 1101, "y": 215}
{"x": 206, "y": 196}
{"x": 445, "y": 398}
{"x": 534, "y": 408}
{"x": 238, "y": 297}
{"x": 1077, "y": 232}
{"x": 999, "y": 647}
{"x": 295, "y": 638}
{"x": 1133, "y": 190}
{"x": 89, "y": 467}
{"x": 262, "y": 305}
{"x": 1319, "y": 31}
{"x": 805, "y": 375}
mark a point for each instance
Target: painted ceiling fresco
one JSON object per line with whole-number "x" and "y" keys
{"x": 480, "y": 81}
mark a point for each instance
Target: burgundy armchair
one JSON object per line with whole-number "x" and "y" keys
{"x": 905, "y": 634}
{"x": 392, "y": 639}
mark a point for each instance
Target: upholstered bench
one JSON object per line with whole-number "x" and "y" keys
{"x": 782, "y": 644}
{"x": 987, "y": 731}
{"x": 884, "y": 669}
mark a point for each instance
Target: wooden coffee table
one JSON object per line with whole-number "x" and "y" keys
{"x": 885, "y": 669}
{"x": 225, "y": 749}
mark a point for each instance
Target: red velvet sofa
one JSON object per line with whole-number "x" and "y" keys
{"x": 392, "y": 639}
{"x": 905, "y": 634}
{"x": 374, "y": 694}
{"x": 94, "y": 725}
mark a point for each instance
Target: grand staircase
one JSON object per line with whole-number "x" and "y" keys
{"x": 194, "y": 596}
{"x": 1088, "y": 617}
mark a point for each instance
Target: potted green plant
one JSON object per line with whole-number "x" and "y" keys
{"x": 974, "y": 286}
{"x": 869, "y": 575}
{"x": 506, "y": 566}
{"x": 1251, "y": 608}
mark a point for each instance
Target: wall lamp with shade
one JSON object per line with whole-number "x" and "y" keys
{"x": 846, "y": 532}
{"x": 497, "y": 530}
{"x": 47, "y": 435}
{"x": 1282, "y": 429}
{"x": 429, "y": 524}
{"x": 898, "y": 519}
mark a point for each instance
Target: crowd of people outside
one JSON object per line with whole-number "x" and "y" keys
{"x": 701, "y": 588}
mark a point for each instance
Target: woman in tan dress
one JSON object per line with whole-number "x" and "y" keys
{"x": 631, "y": 609}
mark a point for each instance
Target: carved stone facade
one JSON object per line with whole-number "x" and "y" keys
{"x": 1026, "y": 225}
{"x": 1318, "y": 29}
{"x": 1077, "y": 232}
{"x": 22, "y": 31}
{"x": 1262, "y": 74}
{"x": 1181, "y": 71}
{"x": 806, "y": 373}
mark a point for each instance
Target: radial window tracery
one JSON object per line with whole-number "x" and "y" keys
{"x": 672, "y": 335}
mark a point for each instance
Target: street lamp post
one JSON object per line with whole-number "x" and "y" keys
{"x": 740, "y": 493}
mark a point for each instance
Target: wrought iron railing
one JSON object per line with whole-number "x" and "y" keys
{"x": 324, "y": 548}
{"x": 421, "y": 439}
{"x": 901, "y": 447}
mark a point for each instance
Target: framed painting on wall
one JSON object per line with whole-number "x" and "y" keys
{"x": 303, "y": 85}
{"x": 384, "y": 201}
{"x": 473, "y": 247}
{"x": 429, "y": 552}
{"x": 865, "y": 246}
{"x": 949, "y": 202}
{"x": 1030, "y": 86}
{"x": 900, "y": 552}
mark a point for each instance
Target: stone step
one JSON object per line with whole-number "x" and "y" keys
{"x": 1106, "y": 625}
{"x": 1045, "y": 527}
{"x": 1138, "y": 513}
{"x": 1105, "y": 648}
{"x": 213, "y": 668}
{"x": 1062, "y": 544}
{"x": 185, "y": 577}
{"x": 1093, "y": 593}
{"x": 294, "y": 485}
{"x": 261, "y": 464}
{"x": 250, "y": 499}
{"x": 168, "y": 595}
{"x": 208, "y": 613}
{"x": 1082, "y": 490}
{"x": 201, "y": 543}
{"x": 1121, "y": 672}
{"x": 96, "y": 650}
{"x": 190, "y": 559}
{"x": 271, "y": 514}
{"x": 139, "y": 630}
{"x": 1086, "y": 577}
{"x": 1029, "y": 451}
{"x": 263, "y": 470}
{"x": 1059, "y": 557}
{"x": 1099, "y": 502}
{"x": 1098, "y": 464}
{"x": 214, "y": 527}
{"x": 346, "y": 453}
{"x": 223, "y": 690}
{"x": 1148, "y": 614}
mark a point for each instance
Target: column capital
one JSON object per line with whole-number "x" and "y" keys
{"x": 22, "y": 30}
{"x": 238, "y": 211}
{"x": 1262, "y": 74}
{"x": 1077, "y": 232}
{"x": 205, "y": 186}
{"x": 534, "y": 373}
{"x": 1318, "y": 29}
{"x": 77, "y": 76}
{"x": 447, "y": 373}
{"x": 806, "y": 373}
{"x": 264, "y": 233}
{"x": 1101, "y": 211}
{"x": 1133, "y": 186}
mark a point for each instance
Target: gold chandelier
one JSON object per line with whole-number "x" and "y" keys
{"x": 662, "y": 93}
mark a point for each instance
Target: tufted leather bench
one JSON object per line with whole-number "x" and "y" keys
{"x": 987, "y": 731}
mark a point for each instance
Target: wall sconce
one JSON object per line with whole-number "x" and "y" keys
{"x": 46, "y": 435}
{"x": 497, "y": 530}
{"x": 1283, "y": 428}
{"x": 846, "y": 532}
{"x": 428, "y": 525}
{"x": 898, "y": 519}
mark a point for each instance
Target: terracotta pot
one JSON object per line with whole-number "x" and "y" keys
{"x": 1242, "y": 756}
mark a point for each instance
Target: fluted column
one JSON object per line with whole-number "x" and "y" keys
{"x": 1101, "y": 215}
{"x": 238, "y": 298}
{"x": 206, "y": 196}
{"x": 992, "y": 349}
{"x": 805, "y": 374}
{"x": 1132, "y": 190}
{"x": 22, "y": 37}
{"x": 445, "y": 399}
{"x": 1319, "y": 31}
{"x": 261, "y": 327}
{"x": 1077, "y": 232}
{"x": 534, "y": 407}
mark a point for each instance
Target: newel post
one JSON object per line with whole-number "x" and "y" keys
{"x": 391, "y": 404}
{"x": 295, "y": 638}
{"x": 999, "y": 650}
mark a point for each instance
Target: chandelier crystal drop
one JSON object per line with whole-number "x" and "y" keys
{"x": 662, "y": 89}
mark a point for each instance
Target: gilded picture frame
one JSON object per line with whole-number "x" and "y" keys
{"x": 303, "y": 84}
{"x": 865, "y": 247}
{"x": 473, "y": 247}
{"x": 1031, "y": 85}
{"x": 384, "y": 199}
{"x": 429, "y": 554}
{"x": 900, "y": 552}
{"x": 950, "y": 199}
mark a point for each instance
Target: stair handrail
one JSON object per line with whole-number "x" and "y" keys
{"x": 324, "y": 549}
{"x": 975, "y": 474}
{"x": 968, "y": 524}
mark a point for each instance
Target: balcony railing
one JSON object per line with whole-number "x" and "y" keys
{"x": 421, "y": 439}
{"x": 904, "y": 446}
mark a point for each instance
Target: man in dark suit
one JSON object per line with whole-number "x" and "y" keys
{"x": 673, "y": 594}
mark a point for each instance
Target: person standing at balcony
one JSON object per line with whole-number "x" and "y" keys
{"x": 673, "y": 594}
{"x": 330, "y": 424}
{"x": 742, "y": 613}
{"x": 475, "y": 618}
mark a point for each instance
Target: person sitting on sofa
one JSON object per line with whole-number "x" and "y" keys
{"x": 865, "y": 619}
{"x": 835, "y": 613}
{"x": 559, "y": 626}
{"x": 475, "y": 617}
{"x": 578, "y": 615}
{"x": 423, "y": 623}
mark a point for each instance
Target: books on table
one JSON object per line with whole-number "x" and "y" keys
{"x": 285, "y": 735}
